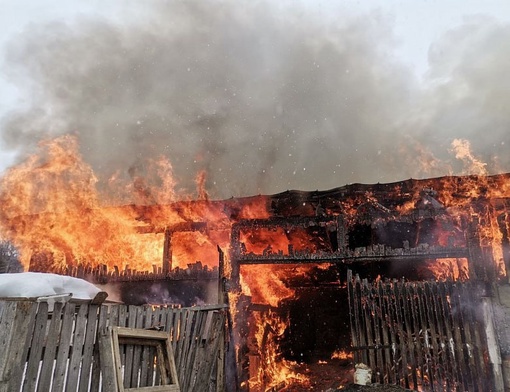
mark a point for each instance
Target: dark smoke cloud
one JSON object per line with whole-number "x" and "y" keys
{"x": 263, "y": 98}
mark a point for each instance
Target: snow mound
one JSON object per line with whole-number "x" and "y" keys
{"x": 38, "y": 284}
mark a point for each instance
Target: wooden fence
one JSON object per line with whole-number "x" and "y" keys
{"x": 422, "y": 335}
{"x": 58, "y": 349}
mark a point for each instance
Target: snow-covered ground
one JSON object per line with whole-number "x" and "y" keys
{"x": 37, "y": 284}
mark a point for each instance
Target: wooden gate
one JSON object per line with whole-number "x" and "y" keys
{"x": 421, "y": 335}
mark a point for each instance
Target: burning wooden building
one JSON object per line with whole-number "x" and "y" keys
{"x": 286, "y": 264}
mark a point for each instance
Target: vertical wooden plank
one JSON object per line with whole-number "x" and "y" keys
{"x": 358, "y": 311}
{"x": 110, "y": 382}
{"x": 36, "y": 347}
{"x": 367, "y": 317}
{"x": 88, "y": 348}
{"x": 471, "y": 329}
{"x": 413, "y": 307}
{"x": 401, "y": 333}
{"x": 129, "y": 348}
{"x": 353, "y": 317}
{"x": 453, "y": 333}
{"x": 425, "y": 333}
{"x": 172, "y": 368}
{"x": 137, "y": 349}
{"x": 64, "y": 347}
{"x": 378, "y": 370}
{"x": 16, "y": 326}
{"x": 494, "y": 354}
{"x": 462, "y": 352}
{"x": 387, "y": 373}
{"x": 95, "y": 377}
{"x": 186, "y": 323}
{"x": 50, "y": 350}
{"x": 194, "y": 318}
{"x": 209, "y": 350}
{"x": 445, "y": 332}
{"x": 77, "y": 344}
{"x": 147, "y": 369}
{"x": 194, "y": 347}
{"x": 439, "y": 376}
{"x": 388, "y": 290}
{"x": 165, "y": 321}
{"x": 462, "y": 305}
{"x": 409, "y": 341}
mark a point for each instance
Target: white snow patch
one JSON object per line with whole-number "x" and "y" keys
{"x": 38, "y": 284}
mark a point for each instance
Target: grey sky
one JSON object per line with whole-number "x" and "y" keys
{"x": 353, "y": 91}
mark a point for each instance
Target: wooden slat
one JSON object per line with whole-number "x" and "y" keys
{"x": 395, "y": 351}
{"x": 367, "y": 320}
{"x": 358, "y": 319}
{"x": 409, "y": 339}
{"x": 462, "y": 354}
{"x": 401, "y": 334}
{"x": 129, "y": 349}
{"x": 207, "y": 353}
{"x": 96, "y": 365}
{"x": 470, "y": 327}
{"x": 74, "y": 367}
{"x": 147, "y": 365}
{"x": 111, "y": 380}
{"x": 387, "y": 374}
{"x": 413, "y": 308}
{"x": 36, "y": 347}
{"x": 88, "y": 348}
{"x": 16, "y": 326}
{"x": 427, "y": 342}
{"x": 353, "y": 317}
{"x": 191, "y": 347}
{"x": 446, "y": 364}
{"x": 137, "y": 349}
{"x": 51, "y": 345}
{"x": 377, "y": 318}
{"x": 435, "y": 336}
{"x": 64, "y": 347}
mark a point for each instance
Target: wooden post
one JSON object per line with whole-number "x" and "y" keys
{"x": 220, "y": 367}
{"x": 167, "y": 252}
{"x": 492, "y": 344}
{"x": 16, "y": 323}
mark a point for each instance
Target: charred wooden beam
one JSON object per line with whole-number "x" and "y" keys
{"x": 179, "y": 227}
{"x": 367, "y": 254}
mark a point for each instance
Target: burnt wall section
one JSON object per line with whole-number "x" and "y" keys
{"x": 184, "y": 293}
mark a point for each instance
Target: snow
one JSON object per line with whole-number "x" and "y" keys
{"x": 37, "y": 284}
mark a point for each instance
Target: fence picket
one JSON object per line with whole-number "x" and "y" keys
{"x": 78, "y": 339}
{"x": 421, "y": 335}
{"x": 50, "y": 349}
{"x": 64, "y": 347}
{"x": 88, "y": 348}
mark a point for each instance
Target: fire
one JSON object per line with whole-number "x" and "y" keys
{"x": 454, "y": 269}
{"x": 341, "y": 354}
{"x": 59, "y": 214}
{"x": 273, "y": 370}
{"x": 55, "y": 211}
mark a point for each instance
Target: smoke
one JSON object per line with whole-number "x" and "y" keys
{"x": 262, "y": 98}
